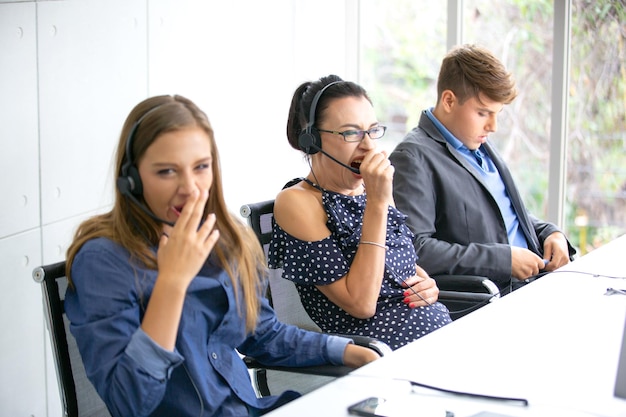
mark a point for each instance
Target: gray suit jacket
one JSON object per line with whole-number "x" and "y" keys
{"x": 458, "y": 226}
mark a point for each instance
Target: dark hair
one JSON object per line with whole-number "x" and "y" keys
{"x": 470, "y": 70}
{"x": 303, "y": 99}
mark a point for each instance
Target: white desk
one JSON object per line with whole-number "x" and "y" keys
{"x": 554, "y": 342}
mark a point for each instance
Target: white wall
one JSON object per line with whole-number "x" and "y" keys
{"x": 70, "y": 71}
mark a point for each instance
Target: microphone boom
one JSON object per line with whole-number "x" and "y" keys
{"x": 356, "y": 171}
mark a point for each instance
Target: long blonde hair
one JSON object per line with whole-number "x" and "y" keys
{"x": 237, "y": 250}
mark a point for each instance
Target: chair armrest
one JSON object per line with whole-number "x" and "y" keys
{"x": 477, "y": 298}
{"x": 466, "y": 284}
{"x": 321, "y": 370}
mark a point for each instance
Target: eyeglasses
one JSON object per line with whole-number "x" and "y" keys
{"x": 376, "y": 132}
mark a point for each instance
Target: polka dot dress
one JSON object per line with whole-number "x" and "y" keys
{"x": 308, "y": 264}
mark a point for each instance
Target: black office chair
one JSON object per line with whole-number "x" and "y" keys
{"x": 78, "y": 396}
{"x": 461, "y": 294}
{"x": 285, "y": 301}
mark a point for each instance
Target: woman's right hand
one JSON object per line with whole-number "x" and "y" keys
{"x": 377, "y": 173}
{"x": 184, "y": 248}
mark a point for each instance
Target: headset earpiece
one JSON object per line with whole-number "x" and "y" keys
{"x": 134, "y": 181}
{"x": 129, "y": 182}
{"x": 309, "y": 140}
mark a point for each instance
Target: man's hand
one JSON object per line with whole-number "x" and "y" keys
{"x": 555, "y": 250}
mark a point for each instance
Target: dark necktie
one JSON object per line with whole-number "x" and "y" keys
{"x": 479, "y": 157}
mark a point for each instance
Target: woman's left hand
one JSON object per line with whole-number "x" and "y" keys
{"x": 355, "y": 356}
{"x": 421, "y": 289}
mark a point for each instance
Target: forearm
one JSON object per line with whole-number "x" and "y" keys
{"x": 357, "y": 293}
{"x": 163, "y": 312}
{"x": 367, "y": 268}
{"x": 276, "y": 343}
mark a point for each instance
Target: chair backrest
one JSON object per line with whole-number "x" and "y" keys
{"x": 282, "y": 293}
{"x": 78, "y": 396}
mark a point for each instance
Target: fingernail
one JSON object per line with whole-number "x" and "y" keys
{"x": 406, "y": 301}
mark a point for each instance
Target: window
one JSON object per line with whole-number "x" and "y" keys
{"x": 403, "y": 42}
{"x": 596, "y": 188}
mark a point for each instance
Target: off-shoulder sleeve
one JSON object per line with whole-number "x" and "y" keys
{"x": 308, "y": 263}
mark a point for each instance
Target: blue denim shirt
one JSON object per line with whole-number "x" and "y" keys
{"x": 204, "y": 375}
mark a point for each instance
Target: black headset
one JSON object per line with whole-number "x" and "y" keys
{"x": 129, "y": 182}
{"x": 309, "y": 140}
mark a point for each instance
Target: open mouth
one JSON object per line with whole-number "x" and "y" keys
{"x": 178, "y": 209}
{"x": 356, "y": 164}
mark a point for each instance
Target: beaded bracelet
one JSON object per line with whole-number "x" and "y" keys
{"x": 366, "y": 242}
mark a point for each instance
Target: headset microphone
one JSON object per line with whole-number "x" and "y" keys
{"x": 125, "y": 190}
{"x": 356, "y": 171}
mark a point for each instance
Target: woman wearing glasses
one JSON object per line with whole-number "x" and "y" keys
{"x": 337, "y": 235}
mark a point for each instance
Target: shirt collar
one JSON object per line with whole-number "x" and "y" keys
{"x": 447, "y": 135}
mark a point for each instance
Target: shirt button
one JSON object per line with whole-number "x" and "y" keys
{"x": 214, "y": 355}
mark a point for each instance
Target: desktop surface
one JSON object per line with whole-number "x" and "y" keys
{"x": 555, "y": 343}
